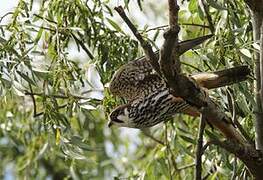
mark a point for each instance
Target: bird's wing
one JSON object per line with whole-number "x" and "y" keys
{"x": 130, "y": 80}
{"x": 137, "y": 78}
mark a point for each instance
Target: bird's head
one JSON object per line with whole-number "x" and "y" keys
{"x": 120, "y": 117}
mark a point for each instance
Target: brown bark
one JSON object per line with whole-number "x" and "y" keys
{"x": 257, "y": 22}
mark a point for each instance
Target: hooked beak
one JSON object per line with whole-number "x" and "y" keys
{"x": 110, "y": 123}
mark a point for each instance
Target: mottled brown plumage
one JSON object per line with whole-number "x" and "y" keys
{"x": 137, "y": 78}
{"x": 149, "y": 99}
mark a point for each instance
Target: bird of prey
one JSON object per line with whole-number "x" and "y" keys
{"x": 149, "y": 99}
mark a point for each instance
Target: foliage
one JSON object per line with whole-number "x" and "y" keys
{"x": 52, "y": 111}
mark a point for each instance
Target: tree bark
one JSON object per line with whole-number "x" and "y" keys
{"x": 257, "y": 19}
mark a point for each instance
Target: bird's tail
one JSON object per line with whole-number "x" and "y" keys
{"x": 223, "y": 77}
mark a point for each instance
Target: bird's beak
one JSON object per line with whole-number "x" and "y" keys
{"x": 110, "y": 123}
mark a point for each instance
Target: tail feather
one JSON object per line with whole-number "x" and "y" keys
{"x": 223, "y": 77}
{"x": 191, "y": 43}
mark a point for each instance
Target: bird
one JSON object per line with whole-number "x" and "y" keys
{"x": 137, "y": 78}
{"x": 156, "y": 103}
{"x": 150, "y": 101}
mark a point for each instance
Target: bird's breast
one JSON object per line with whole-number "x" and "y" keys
{"x": 154, "y": 108}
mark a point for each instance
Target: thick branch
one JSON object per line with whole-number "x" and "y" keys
{"x": 186, "y": 88}
{"x": 255, "y": 5}
{"x": 174, "y": 26}
{"x": 180, "y": 85}
{"x": 259, "y": 120}
{"x": 169, "y": 58}
{"x": 257, "y": 21}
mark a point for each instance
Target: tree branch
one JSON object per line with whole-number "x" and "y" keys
{"x": 209, "y": 18}
{"x": 198, "y": 157}
{"x": 56, "y": 95}
{"x": 257, "y": 21}
{"x": 34, "y": 101}
{"x": 149, "y": 54}
{"x": 41, "y": 113}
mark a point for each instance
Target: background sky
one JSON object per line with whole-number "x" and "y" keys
{"x": 7, "y": 5}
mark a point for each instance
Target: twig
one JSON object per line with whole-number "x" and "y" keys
{"x": 209, "y": 18}
{"x": 59, "y": 107}
{"x": 55, "y": 95}
{"x": 171, "y": 152}
{"x": 6, "y": 14}
{"x": 212, "y": 170}
{"x": 183, "y": 24}
{"x": 158, "y": 27}
{"x": 72, "y": 34}
{"x": 191, "y": 66}
{"x": 234, "y": 169}
{"x": 149, "y": 54}
{"x": 34, "y": 101}
{"x": 186, "y": 166}
{"x": 207, "y": 145}
{"x": 167, "y": 150}
{"x": 146, "y": 133}
{"x": 44, "y": 18}
{"x": 194, "y": 24}
{"x": 198, "y": 160}
{"x": 82, "y": 45}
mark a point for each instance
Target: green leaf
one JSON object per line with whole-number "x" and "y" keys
{"x": 25, "y": 77}
{"x": 115, "y": 25}
{"x": 188, "y": 139}
{"x": 216, "y": 5}
{"x": 76, "y": 140}
{"x": 39, "y": 34}
{"x": 246, "y": 52}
